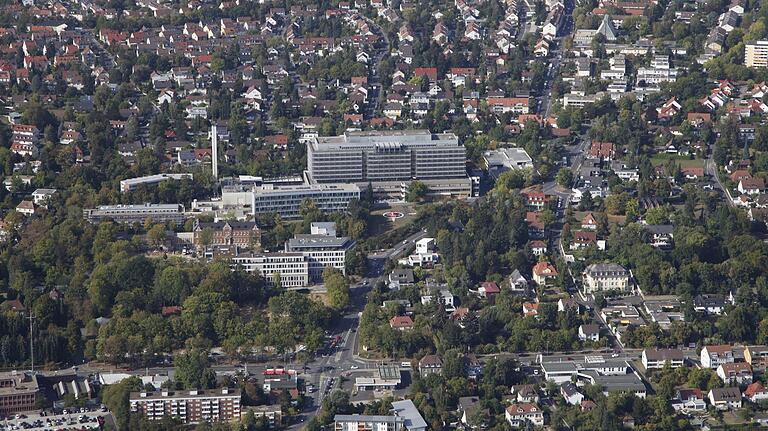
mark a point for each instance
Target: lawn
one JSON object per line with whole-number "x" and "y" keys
{"x": 684, "y": 161}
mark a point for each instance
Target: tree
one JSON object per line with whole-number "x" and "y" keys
{"x": 416, "y": 191}
{"x": 338, "y": 288}
{"x": 192, "y": 370}
{"x": 116, "y": 396}
{"x": 156, "y": 235}
{"x": 657, "y": 215}
{"x": 586, "y": 203}
{"x": 564, "y": 177}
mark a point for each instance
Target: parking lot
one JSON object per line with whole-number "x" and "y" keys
{"x": 72, "y": 421}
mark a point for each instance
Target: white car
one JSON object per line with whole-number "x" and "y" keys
{"x": 354, "y": 367}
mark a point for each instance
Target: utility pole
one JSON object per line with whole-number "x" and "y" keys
{"x": 31, "y": 317}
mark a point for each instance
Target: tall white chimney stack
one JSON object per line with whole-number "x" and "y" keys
{"x": 214, "y": 152}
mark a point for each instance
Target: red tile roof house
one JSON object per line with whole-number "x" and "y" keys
{"x": 740, "y": 174}
{"x": 543, "y": 272}
{"x": 589, "y": 222}
{"x": 488, "y": 289}
{"x": 401, "y": 323}
{"x": 530, "y": 309}
{"x": 429, "y": 72}
{"x": 756, "y": 392}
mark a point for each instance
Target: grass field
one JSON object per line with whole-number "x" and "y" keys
{"x": 684, "y": 161}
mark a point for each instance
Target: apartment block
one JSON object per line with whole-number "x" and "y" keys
{"x": 368, "y": 423}
{"x": 18, "y": 392}
{"x": 160, "y": 213}
{"x": 713, "y": 356}
{"x": 756, "y": 54}
{"x": 605, "y": 276}
{"x": 757, "y": 357}
{"x": 190, "y": 407}
{"x": 658, "y": 358}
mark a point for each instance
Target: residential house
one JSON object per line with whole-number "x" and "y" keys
{"x": 571, "y": 394}
{"x": 468, "y": 407}
{"x": 660, "y": 236}
{"x": 565, "y": 304}
{"x": 589, "y": 333}
{"x": 538, "y": 247}
{"x": 26, "y": 207}
{"x": 488, "y": 289}
{"x": 584, "y": 239}
{"x": 543, "y": 273}
{"x": 430, "y": 364}
{"x": 659, "y": 358}
{"x": 401, "y": 277}
{"x": 756, "y": 392}
{"x": 725, "y": 398}
{"x": 751, "y": 186}
{"x": 530, "y": 309}
{"x": 735, "y": 372}
{"x": 401, "y": 323}
{"x": 589, "y": 222}
{"x": 710, "y": 303}
{"x": 689, "y": 400}
{"x": 525, "y": 393}
{"x": 518, "y": 283}
{"x": 518, "y": 415}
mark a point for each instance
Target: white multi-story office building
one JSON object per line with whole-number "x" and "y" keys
{"x": 390, "y": 159}
{"x": 293, "y": 268}
{"x": 322, "y": 251}
{"x": 245, "y": 200}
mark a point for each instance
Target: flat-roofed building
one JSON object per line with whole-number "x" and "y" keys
{"x": 292, "y": 268}
{"x": 286, "y": 199}
{"x": 159, "y": 213}
{"x": 18, "y": 392}
{"x": 408, "y": 411}
{"x": 131, "y": 183}
{"x": 756, "y": 54}
{"x": 386, "y": 377}
{"x": 658, "y": 358}
{"x": 506, "y": 159}
{"x": 322, "y": 250}
{"x": 757, "y": 356}
{"x": 390, "y": 160}
{"x": 368, "y": 423}
{"x": 190, "y": 407}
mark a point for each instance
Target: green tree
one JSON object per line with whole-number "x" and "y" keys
{"x": 192, "y": 370}
{"x": 338, "y": 288}
{"x": 564, "y": 177}
{"x": 416, "y": 191}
